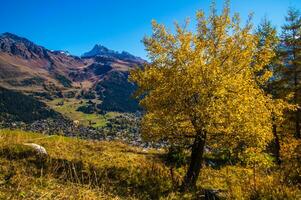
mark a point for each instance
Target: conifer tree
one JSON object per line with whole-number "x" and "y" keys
{"x": 266, "y": 31}
{"x": 290, "y": 55}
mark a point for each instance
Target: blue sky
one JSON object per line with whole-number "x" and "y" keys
{"x": 76, "y": 25}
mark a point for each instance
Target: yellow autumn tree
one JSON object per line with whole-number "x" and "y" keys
{"x": 203, "y": 87}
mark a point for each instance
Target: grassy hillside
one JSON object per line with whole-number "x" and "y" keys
{"x": 69, "y": 107}
{"x": 79, "y": 169}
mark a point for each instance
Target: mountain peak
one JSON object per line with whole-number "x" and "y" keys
{"x": 14, "y": 37}
{"x": 100, "y": 50}
{"x": 8, "y": 34}
{"x": 16, "y": 45}
{"x": 99, "y": 46}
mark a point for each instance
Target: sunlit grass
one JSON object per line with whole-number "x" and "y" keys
{"x": 81, "y": 169}
{"x": 114, "y": 170}
{"x": 70, "y": 106}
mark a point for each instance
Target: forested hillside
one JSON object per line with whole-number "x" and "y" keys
{"x": 17, "y": 107}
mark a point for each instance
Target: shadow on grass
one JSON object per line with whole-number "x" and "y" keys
{"x": 145, "y": 181}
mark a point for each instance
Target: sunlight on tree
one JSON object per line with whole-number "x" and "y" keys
{"x": 203, "y": 87}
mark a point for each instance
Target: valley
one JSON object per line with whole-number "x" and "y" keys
{"x": 69, "y": 107}
{"x": 92, "y": 90}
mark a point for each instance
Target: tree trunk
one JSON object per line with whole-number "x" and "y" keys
{"x": 277, "y": 145}
{"x": 298, "y": 132}
{"x": 195, "y": 165}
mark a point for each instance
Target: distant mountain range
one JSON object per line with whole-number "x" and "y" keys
{"x": 44, "y": 74}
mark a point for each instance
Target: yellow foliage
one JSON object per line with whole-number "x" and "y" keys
{"x": 207, "y": 80}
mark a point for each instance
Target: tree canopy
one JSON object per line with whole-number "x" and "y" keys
{"x": 203, "y": 86}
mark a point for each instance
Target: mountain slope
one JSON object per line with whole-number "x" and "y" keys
{"x": 46, "y": 74}
{"x": 28, "y": 67}
{"x": 116, "y": 93}
{"x": 15, "y": 106}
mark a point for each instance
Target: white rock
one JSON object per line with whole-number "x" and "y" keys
{"x": 39, "y": 149}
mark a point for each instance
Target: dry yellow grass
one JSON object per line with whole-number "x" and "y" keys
{"x": 81, "y": 169}
{"x": 78, "y": 169}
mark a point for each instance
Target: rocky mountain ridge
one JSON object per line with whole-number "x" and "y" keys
{"x": 32, "y": 69}
{"x": 102, "y": 51}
